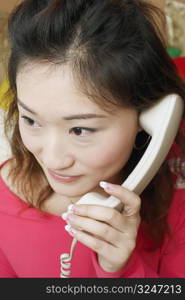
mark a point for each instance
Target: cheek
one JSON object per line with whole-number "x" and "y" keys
{"x": 110, "y": 154}
{"x": 28, "y": 141}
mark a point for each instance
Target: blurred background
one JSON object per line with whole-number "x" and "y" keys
{"x": 174, "y": 34}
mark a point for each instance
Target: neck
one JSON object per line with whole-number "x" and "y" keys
{"x": 58, "y": 204}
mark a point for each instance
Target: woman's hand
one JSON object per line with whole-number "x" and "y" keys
{"x": 111, "y": 234}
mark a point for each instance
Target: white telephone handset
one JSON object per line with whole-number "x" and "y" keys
{"x": 161, "y": 122}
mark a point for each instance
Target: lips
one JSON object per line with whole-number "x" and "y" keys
{"x": 63, "y": 178}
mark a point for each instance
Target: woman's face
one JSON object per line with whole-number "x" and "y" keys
{"x": 69, "y": 134}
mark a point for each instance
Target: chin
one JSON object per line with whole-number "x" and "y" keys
{"x": 67, "y": 191}
{"x": 74, "y": 193}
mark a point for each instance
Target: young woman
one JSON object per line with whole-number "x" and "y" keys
{"x": 80, "y": 73}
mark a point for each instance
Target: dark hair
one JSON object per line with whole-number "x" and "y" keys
{"x": 118, "y": 56}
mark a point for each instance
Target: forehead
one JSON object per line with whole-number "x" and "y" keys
{"x": 43, "y": 83}
{"x": 52, "y": 91}
{"x": 41, "y": 76}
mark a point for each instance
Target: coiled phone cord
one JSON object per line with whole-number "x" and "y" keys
{"x": 65, "y": 261}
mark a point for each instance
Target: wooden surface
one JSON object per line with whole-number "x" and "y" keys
{"x": 182, "y": 1}
{"x": 8, "y": 5}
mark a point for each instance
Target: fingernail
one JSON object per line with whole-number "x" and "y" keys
{"x": 67, "y": 228}
{"x": 70, "y": 230}
{"x": 71, "y": 208}
{"x": 106, "y": 185}
{"x": 64, "y": 216}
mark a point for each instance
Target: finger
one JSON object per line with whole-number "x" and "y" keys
{"x": 131, "y": 201}
{"x": 100, "y": 213}
{"x": 100, "y": 229}
{"x": 99, "y": 246}
{"x": 114, "y": 257}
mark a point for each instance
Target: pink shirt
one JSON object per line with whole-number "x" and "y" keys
{"x": 31, "y": 244}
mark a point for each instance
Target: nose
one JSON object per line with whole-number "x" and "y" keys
{"x": 57, "y": 154}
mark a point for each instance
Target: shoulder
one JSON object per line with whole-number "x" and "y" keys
{"x": 13, "y": 204}
{"x": 177, "y": 207}
{"x": 10, "y": 200}
{"x": 5, "y": 168}
{"x": 176, "y": 215}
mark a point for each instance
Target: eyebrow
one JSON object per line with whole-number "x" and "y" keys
{"x": 71, "y": 117}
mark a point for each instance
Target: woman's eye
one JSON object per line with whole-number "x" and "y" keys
{"x": 81, "y": 131}
{"x": 29, "y": 121}
{"x": 78, "y": 131}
